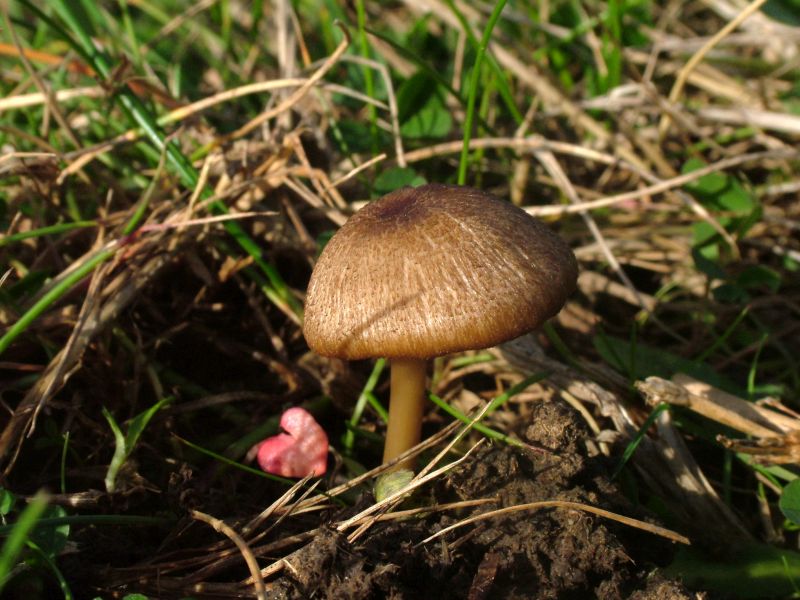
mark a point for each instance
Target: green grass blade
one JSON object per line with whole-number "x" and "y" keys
{"x": 125, "y": 443}
{"x": 369, "y": 84}
{"x": 141, "y": 206}
{"x": 378, "y": 407}
{"x": 751, "y": 374}
{"x": 725, "y": 335}
{"x": 43, "y": 231}
{"x": 232, "y": 463}
{"x": 51, "y": 564}
{"x": 349, "y": 437}
{"x": 119, "y": 451}
{"x": 493, "y": 406}
{"x": 473, "y": 89}
{"x": 50, "y": 297}
{"x": 138, "y": 113}
{"x": 514, "y": 390}
{"x": 480, "y": 428}
{"x": 634, "y": 443}
{"x": 125, "y": 520}
{"x": 500, "y": 79}
{"x": 63, "y": 469}
{"x": 74, "y": 278}
{"x": 429, "y": 71}
{"x": 139, "y": 422}
{"x": 18, "y": 535}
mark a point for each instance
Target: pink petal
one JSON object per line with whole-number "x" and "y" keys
{"x": 302, "y": 451}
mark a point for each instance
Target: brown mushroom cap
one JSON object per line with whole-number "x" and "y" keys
{"x": 431, "y": 270}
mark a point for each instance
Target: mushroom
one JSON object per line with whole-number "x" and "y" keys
{"x": 428, "y": 271}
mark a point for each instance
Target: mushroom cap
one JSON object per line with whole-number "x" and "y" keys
{"x": 432, "y": 270}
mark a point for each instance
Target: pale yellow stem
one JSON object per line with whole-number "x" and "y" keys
{"x": 405, "y": 407}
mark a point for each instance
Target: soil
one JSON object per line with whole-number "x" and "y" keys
{"x": 549, "y": 553}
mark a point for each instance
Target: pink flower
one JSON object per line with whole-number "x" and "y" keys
{"x": 301, "y": 451}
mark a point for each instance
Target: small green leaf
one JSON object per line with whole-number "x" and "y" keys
{"x": 124, "y": 443}
{"x": 705, "y": 265}
{"x": 785, "y": 11}
{"x": 395, "y": 178}
{"x": 744, "y": 223}
{"x": 703, "y": 236}
{"x": 390, "y": 483}
{"x": 759, "y": 276}
{"x": 719, "y": 191}
{"x": 356, "y": 135}
{"x": 7, "y": 502}
{"x": 432, "y": 121}
{"x": 140, "y": 421}
{"x": 790, "y": 501}
{"x": 769, "y": 389}
{"x": 740, "y": 571}
{"x": 772, "y": 472}
{"x": 414, "y": 93}
{"x": 790, "y": 264}
{"x": 692, "y": 165}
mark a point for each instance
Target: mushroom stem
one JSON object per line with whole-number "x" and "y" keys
{"x": 405, "y": 407}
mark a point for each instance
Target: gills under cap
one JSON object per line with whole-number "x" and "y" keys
{"x": 431, "y": 270}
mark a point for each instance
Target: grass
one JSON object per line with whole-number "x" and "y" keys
{"x": 146, "y": 347}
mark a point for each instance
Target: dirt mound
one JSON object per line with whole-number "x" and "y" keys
{"x": 550, "y": 553}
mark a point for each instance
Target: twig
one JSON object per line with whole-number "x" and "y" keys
{"x": 680, "y": 80}
{"x": 763, "y": 119}
{"x": 649, "y": 527}
{"x": 549, "y": 162}
{"x": 340, "y": 489}
{"x": 391, "y": 97}
{"x": 52, "y": 105}
{"x": 296, "y": 96}
{"x": 356, "y": 170}
{"x": 36, "y": 98}
{"x": 365, "y": 519}
{"x": 247, "y": 554}
{"x": 716, "y": 405}
{"x": 534, "y": 144}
